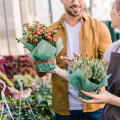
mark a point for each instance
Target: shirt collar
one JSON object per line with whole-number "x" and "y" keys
{"x": 83, "y": 18}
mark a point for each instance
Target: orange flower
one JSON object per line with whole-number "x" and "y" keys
{"x": 34, "y": 103}
{"x": 38, "y": 21}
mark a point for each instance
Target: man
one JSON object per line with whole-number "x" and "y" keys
{"x": 86, "y": 36}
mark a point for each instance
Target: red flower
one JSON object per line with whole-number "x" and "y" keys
{"x": 49, "y": 34}
{"x": 32, "y": 38}
{"x": 54, "y": 40}
{"x": 55, "y": 28}
{"x": 48, "y": 37}
{"x": 36, "y": 40}
{"x": 50, "y": 30}
{"x": 28, "y": 27}
{"x": 41, "y": 27}
{"x": 37, "y": 25}
{"x": 56, "y": 31}
{"x": 27, "y": 36}
{"x": 37, "y": 29}
{"x": 33, "y": 33}
{"x": 34, "y": 103}
{"x": 38, "y": 33}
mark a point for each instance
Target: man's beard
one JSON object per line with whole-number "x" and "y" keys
{"x": 72, "y": 14}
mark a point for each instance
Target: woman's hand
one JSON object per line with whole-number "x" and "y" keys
{"x": 55, "y": 70}
{"x": 103, "y": 97}
{"x": 60, "y": 72}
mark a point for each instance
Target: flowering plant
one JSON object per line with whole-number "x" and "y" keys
{"x": 88, "y": 75}
{"x": 42, "y": 45}
{"x": 35, "y": 33}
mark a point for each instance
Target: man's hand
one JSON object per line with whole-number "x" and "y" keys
{"x": 66, "y": 59}
{"x": 103, "y": 97}
{"x": 76, "y": 54}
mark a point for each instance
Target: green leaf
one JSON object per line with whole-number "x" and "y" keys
{"x": 4, "y": 112}
{"x": 18, "y": 101}
{"x": 6, "y": 79}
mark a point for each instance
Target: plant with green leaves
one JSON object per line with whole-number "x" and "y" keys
{"x": 87, "y": 74}
{"x": 42, "y": 44}
{"x": 41, "y": 109}
{"x": 28, "y": 80}
{"x": 94, "y": 69}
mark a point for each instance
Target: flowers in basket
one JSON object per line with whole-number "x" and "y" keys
{"x": 42, "y": 45}
{"x": 87, "y": 74}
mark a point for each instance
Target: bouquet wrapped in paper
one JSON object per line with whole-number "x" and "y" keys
{"x": 42, "y": 44}
{"x": 88, "y": 75}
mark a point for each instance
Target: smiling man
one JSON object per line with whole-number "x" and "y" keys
{"x": 87, "y": 36}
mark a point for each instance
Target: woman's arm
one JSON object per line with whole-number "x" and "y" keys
{"x": 115, "y": 100}
{"x": 103, "y": 97}
{"x": 104, "y": 61}
{"x": 60, "y": 72}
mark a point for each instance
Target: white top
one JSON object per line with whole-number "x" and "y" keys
{"x": 73, "y": 46}
{"x": 111, "y": 48}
